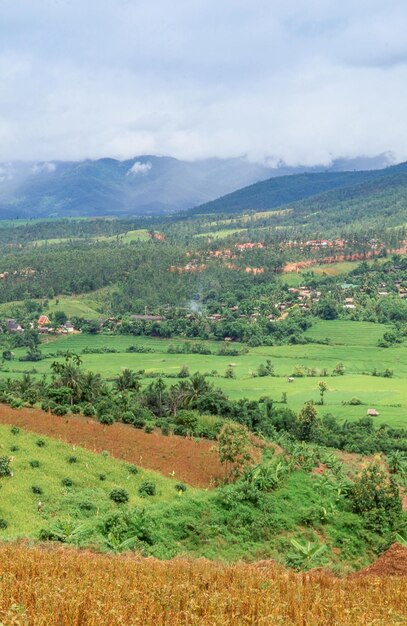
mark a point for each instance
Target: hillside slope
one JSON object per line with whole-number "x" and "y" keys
{"x": 331, "y": 197}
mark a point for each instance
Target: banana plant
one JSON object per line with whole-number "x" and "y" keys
{"x": 309, "y": 551}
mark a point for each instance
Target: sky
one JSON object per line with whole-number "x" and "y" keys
{"x": 303, "y": 81}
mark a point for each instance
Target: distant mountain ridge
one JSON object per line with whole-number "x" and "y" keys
{"x": 143, "y": 185}
{"x": 322, "y": 197}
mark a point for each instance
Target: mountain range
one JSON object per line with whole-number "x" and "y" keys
{"x": 149, "y": 184}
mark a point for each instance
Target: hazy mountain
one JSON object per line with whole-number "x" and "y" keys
{"x": 142, "y": 185}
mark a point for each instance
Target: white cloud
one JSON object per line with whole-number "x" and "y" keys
{"x": 40, "y": 168}
{"x": 304, "y": 81}
{"x": 140, "y": 168}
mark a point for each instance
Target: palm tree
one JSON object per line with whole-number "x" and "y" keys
{"x": 127, "y": 380}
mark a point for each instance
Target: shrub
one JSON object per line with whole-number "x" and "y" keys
{"x": 34, "y": 463}
{"x": 60, "y": 409}
{"x": 16, "y": 404}
{"x": 107, "y": 419}
{"x": 37, "y": 490}
{"x": 165, "y": 428}
{"x": 5, "y": 466}
{"x": 75, "y": 409}
{"x": 72, "y": 459}
{"x": 120, "y": 496}
{"x": 139, "y": 422}
{"x": 67, "y": 482}
{"x": 147, "y": 488}
{"x": 14, "y": 448}
{"x": 86, "y": 506}
{"x": 102, "y": 477}
{"x": 180, "y": 487}
{"x": 128, "y": 417}
{"x": 14, "y": 430}
{"x": 149, "y": 427}
{"x": 3, "y": 523}
{"x": 40, "y": 443}
{"x": 133, "y": 469}
{"x": 89, "y": 410}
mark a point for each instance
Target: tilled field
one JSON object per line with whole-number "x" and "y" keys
{"x": 193, "y": 462}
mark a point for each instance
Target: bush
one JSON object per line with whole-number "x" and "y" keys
{"x": 147, "y": 488}
{"x": 14, "y": 430}
{"x": 165, "y": 428}
{"x": 14, "y": 448}
{"x": 86, "y": 506}
{"x": 107, "y": 419}
{"x": 67, "y": 482}
{"x": 133, "y": 469}
{"x": 128, "y": 417}
{"x": 40, "y": 443}
{"x": 3, "y": 523}
{"x": 35, "y": 463}
{"x": 5, "y": 466}
{"x": 37, "y": 490}
{"x": 148, "y": 428}
{"x": 89, "y": 410}
{"x": 16, "y": 404}
{"x": 72, "y": 459}
{"x": 60, "y": 409}
{"x": 180, "y": 487}
{"x": 139, "y": 422}
{"x": 102, "y": 477}
{"x": 120, "y": 496}
{"x": 75, "y": 409}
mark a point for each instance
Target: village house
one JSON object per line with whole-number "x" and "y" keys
{"x": 43, "y": 320}
{"x": 349, "y": 303}
{"x": 14, "y": 327}
{"x": 147, "y": 318}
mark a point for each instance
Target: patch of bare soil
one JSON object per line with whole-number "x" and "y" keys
{"x": 392, "y": 563}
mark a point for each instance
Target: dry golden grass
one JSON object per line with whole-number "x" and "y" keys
{"x": 61, "y": 587}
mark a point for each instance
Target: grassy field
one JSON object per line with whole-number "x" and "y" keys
{"x": 89, "y": 306}
{"x": 128, "y": 237}
{"x": 18, "y": 503}
{"x": 221, "y": 234}
{"x": 352, "y": 343}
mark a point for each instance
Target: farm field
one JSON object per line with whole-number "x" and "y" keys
{"x": 132, "y": 591}
{"x": 221, "y": 234}
{"x": 128, "y": 237}
{"x": 193, "y": 462}
{"x": 351, "y": 343}
{"x": 43, "y": 463}
{"x": 89, "y": 306}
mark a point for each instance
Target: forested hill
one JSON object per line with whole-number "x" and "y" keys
{"x": 378, "y": 191}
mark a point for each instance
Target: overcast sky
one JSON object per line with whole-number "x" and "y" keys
{"x": 299, "y": 80}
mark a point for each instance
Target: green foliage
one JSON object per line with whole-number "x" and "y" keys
{"x": 147, "y": 488}
{"x": 120, "y": 496}
{"x": 5, "y": 466}
{"x": 376, "y": 496}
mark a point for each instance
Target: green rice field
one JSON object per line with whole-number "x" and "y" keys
{"x": 352, "y": 343}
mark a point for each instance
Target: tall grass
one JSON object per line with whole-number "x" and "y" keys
{"x": 67, "y": 588}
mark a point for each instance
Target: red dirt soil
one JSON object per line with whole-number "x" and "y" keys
{"x": 392, "y": 563}
{"x": 193, "y": 462}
